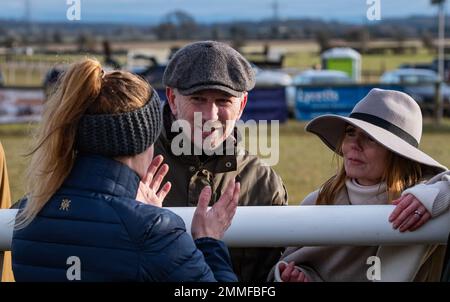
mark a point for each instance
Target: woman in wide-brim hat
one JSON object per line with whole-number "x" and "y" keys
{"x": 381, "y": 164}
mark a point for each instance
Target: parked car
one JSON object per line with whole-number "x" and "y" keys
{"x": 427, "y": 66}
{"x": 435, "y": 67}
{"x": 431, "y": 66}
{"x": 319, "y": 77}
{"x": 420, "y": 84}
{"x": 271, "y": 77}
{"x": 146, "y": 66}
{"x": 275, "y": 77}
{"x": 315, "y": 77}
{"x": 410, "y": 76}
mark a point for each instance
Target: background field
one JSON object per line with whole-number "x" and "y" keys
{"x": 304, "y": 161}
{"x": 23, "y": 70}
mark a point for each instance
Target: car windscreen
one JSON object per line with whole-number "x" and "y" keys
{"x": 417, "y": 79}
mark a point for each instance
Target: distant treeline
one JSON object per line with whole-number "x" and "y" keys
{"x": 179, "y": 25}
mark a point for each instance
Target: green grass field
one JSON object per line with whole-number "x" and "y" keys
{"x": 304, "y": 161}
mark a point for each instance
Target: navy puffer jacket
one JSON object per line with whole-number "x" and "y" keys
{"x": 95, "y": 217}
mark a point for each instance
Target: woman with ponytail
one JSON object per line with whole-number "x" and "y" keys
{"x": 93, "y": 211}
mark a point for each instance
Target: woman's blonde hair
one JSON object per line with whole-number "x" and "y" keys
{"x": 399, "y": 174}
{"x": 83, "y": 88}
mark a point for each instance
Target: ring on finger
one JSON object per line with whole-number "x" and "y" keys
{"x": 418, "y": 213}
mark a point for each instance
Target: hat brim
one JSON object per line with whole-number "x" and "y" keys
{"x": 330, "y": 128}
{"x": 198, "y": 88}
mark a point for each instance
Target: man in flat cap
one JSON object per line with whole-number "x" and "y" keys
{"x": 207, "y": 85}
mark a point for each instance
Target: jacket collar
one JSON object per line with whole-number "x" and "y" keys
{"x": 104, "y": 175}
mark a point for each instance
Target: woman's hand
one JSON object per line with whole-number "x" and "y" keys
{"x": 409, "y": 213}
{"x": 215, "y": 221}
{"x": 289, "y": 273}
{"x": 148, "y": 191}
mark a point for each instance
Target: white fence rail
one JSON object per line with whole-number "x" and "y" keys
{"x": 25, "y": 73}
{"x": 305, "y": 225}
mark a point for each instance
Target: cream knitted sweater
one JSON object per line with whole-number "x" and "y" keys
{"x": 398, "y": 263}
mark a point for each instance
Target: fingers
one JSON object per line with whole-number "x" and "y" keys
{"x": 405, "y": 217}
{"x": 414, "y": 204}
{"x": 282, "y": 266}
{"x": 301, "y": 277}
{"x": 410, "y": 221}
{"x": 203, "y": 200}
{"x": 421, "y": 222}
{"x": 227, "y": 196}
{"x": 231, "y": 208}
{"x": 225, "y": 207}
{"x": 164, "y": 191}
{"x": 295, "y": 275}
{"x": 397, "y": 201}
{"x": 402, "y": 203}
{"x": 235, "y": 198}
{"x": 306, "y": 279}
{"x": 141, "y": 194}
{"x": 289, "y": 273}
{"x": 285, "y": 275}
{"x": 156, "y": 162}
{"x": 158, "y": 178}
{"x": 147, "y": 196}
{"x": 415, "y": 218}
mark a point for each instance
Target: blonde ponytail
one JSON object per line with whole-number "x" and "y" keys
{"x": 83, "y": 88}
{"x": 53, "y": 152}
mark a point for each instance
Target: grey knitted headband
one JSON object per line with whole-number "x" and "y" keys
{"x": 122, "y": 134}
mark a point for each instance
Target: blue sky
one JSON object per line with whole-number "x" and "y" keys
{"x": 152, "y": 11}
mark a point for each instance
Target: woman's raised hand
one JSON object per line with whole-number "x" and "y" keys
{"x": 149, "y": 191}
{"x": 215, "y": 221}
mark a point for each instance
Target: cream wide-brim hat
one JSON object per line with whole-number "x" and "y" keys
{"x": 390, "y": 117}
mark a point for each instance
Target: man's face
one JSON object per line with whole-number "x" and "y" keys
{"x": 216, "y": 108}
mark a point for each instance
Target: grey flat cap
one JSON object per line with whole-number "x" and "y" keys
{"x": 209, "y": 65}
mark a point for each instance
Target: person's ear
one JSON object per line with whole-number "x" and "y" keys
{"x": 170, "y": 94}
{"x": 243, "y": 103}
